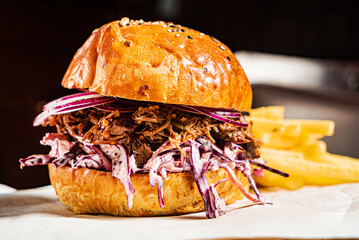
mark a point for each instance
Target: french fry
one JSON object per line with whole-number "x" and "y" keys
{"x": 273, "y": 180}
{"x": 289, "y": 133}
{"x": 276, "y": 127}
{"x": 339, "y": 159}
{"x": 293, "y": 146}
{"x": 322, "y": 127}
{"x": 303, "y": 171}
{"x": 293, "y": 182}
{"x": 313, "y": 150}
{"x": 291, "y": 127}
{"x": 285, "y": 142}
{"x": 271, "y": 112}
{"x": 317, "y": 152}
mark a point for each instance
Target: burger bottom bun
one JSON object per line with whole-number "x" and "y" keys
{"x": 97, "y": 192}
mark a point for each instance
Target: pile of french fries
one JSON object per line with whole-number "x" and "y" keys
{"x": 294, "y": 146}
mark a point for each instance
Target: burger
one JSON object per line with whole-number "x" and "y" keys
{"x": 157, "y": 127}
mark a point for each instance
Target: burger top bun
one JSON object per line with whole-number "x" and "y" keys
{"x": 159, "y": 62}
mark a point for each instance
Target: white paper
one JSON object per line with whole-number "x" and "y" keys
{"x": 310, "y": 212}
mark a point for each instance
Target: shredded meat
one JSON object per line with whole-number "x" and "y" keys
{"x": 142, "y": 150}
{"x": 144, "y": 130}
{"x": 253, "y": 145}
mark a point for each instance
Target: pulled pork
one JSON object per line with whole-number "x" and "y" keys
{"x": 144, "y": 130}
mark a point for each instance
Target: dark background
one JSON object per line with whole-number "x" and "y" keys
{"x": 39, "y": 38}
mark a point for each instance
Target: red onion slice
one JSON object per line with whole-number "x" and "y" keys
{"x": 71, "y": 98}
{"x": 228, "y": 114}
{"x": 71, "y": 107}
{"x": 220, "y": 118}
{"x": 84, "y": 100}
{"x": 215, "y": 115}
{"x": 120, "y": 109}
{"x": 79, "y": 103}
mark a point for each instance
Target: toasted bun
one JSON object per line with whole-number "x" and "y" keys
{"x": 159, "y": 62}
{"x": 97, "y": 192}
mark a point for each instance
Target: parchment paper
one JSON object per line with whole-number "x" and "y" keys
{"x": 310, "y": 212}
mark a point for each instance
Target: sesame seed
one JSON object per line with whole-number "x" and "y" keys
{"x": 183, "y": 30}
{"x": 169, "y": 30}
{"x": 164, "y": 25}
{"x": 205, "y": 69}
{"x": 221, "y": 47}
{"x": 128, "y": 43}
{"x": 172, "y": 26}
{"x": 228, "y": 58}
{"x": 190, "y": 37}
{"x": 215, "y": 40}
{"x": 177, "y": 35}
{"x": 201, "y": 34}
{"x": 124, "y": 21}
